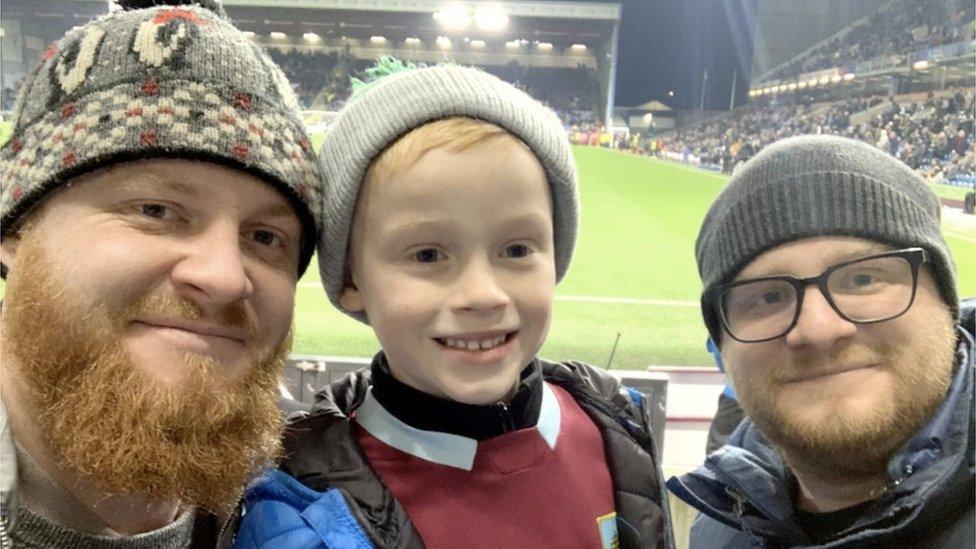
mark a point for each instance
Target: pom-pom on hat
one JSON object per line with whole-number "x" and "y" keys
{"x": 152, "y": 79}
{"x": 406, "y": 98}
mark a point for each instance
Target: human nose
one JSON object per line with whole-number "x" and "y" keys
{"x": 212, "y": 268}
{"x": 478, "y": 288}
{"x": 818, "y": 324}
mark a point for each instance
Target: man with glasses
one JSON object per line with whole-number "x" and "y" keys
{"x": 832, "y": 297}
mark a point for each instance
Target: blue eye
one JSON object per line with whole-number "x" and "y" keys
{"x": 428, "y": 255}
{"x": 516, "y": 251}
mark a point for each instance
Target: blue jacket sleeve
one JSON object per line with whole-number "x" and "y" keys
{"x": 279, "y": 512}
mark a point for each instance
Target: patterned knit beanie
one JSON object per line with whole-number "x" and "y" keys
{"x": 145, "y": 81}
{"x": 401, "y": 102}
{"x": 817, "y": 185}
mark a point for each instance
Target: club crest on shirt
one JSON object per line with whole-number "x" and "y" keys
{"x": 607, "y": 524}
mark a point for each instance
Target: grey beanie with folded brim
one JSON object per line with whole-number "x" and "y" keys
{"x": 404, "y": 101}
{"x": 816, "y": 185}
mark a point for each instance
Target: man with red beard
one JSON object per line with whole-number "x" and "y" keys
{"x": 159, "y": 203}
{"x": 832, "y": 295}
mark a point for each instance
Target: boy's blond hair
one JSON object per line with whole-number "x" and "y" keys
{"x": 454, "y": 134}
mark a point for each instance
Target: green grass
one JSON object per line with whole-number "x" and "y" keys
{"x": 639, "y": 221}
{"x": 951, "y": 191}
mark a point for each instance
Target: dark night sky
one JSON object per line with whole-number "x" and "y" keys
{"x": 666, "y": 44}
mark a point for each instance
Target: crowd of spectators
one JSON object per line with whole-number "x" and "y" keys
{"x": 308, "y": 71}
{"x": 902, "y": 27}
{"x": 933, "y": 135}
{"x": 321, "y": 81}
{"x": 565, "y": 89}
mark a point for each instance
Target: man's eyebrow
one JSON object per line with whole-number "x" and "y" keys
{"x": 277, "y": 210}
{"x": 851, "y": 255}
{"x": 137, "y": 182}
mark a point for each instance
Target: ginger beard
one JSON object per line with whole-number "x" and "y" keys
{"x": 196, "y": 443}
{"x": 851, "y": 443}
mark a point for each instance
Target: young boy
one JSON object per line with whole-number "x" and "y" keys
{"x": 451, "y": 215}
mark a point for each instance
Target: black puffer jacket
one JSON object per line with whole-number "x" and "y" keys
{"x": 321, "y": 452}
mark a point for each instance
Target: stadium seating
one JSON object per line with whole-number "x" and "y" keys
{"x": 933, "y": 134}
{"x": 901, "y": 27}
{"x": 321, "y": 81}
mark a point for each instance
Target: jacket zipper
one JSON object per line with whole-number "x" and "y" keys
{"x": 739, "y": 506}
{"x": 226, "y": 523}
{"x": 5, "y": 541}
{"x": 505, "y": 415}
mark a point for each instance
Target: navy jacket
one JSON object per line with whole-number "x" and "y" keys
{"x": 743, "y": 491}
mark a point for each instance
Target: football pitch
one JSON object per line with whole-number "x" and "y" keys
{"x": 633, "y": 274}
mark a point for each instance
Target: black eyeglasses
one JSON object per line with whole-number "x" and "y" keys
{"x": 871, "y": 289}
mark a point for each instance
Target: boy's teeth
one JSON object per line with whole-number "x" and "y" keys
{"x": 473, "y": 345}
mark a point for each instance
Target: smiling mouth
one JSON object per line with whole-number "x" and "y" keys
{"x": 812, "y": 376}
{"x": 204, "y": 331}
{"x": 475, "y": 343}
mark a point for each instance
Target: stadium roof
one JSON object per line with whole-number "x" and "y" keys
{"x": 652, "y": 106}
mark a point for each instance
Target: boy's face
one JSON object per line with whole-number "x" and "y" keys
{"x": 452, "y": 261}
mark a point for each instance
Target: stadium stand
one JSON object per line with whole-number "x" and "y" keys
{"x": 901, "y": 27}
{"x": 932, "y": 133}
{"x": 928, "y": 125}
{"x": 321, "y": 81}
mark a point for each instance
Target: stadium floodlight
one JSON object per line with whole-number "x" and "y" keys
{"x": 920, "y": 65}
{"x": 782, "y": 87}
{"x": 491, "y": 17}
{"x": 824, "y": 80}
{"x": 311, "y": 37}
{"x": 545, "y": 46}
{"x": 849, "y": 76}
{"x": 453, "y": 17}
{"x": 812, "y": 82}
{"x": 377, "y": 39}
{"x": 412, "y": 40}
{"x": 791, "y": 86}
{"x": 835, "y": 78}
{"x": 278, "y": 35}
{"x": 444, "y": 42}
{"x": 477, "y": 43}
{"x": 513, "y": 44}
{"x": 578, "y": 47}
{"x": 801, "y": 84}
{"x": 250, "y": 34}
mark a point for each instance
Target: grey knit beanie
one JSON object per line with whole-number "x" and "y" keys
{"x": 401, "y": 102}
{"x": 811, "y": 186}
{"x": 159, "y": 81}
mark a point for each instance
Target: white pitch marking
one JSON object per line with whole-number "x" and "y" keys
{"x": 965, "y": 237}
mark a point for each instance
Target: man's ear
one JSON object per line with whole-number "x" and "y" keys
{"x": 8, "y": 250}
{"x": 351, "y": 299}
